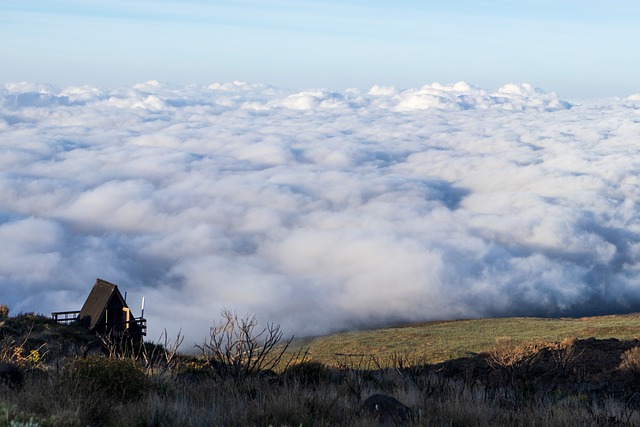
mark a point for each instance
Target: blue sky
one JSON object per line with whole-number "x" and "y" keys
{"x": 579, "y": 49}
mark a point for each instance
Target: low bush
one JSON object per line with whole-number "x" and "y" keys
{"x": 510, "y": 354}
{"x": 10, "y": 416}
{"x": 308, "y": 373}
{"x": 11, "y": 375}
{"x": 195, "y": 370}
{"x": 120, "y": 380}
{"x": 630, "y": 362}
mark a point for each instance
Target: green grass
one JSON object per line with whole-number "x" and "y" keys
{"x": 438, "y": 341}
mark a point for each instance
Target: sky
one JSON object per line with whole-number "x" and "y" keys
{"x": 579, "y": 49}
{"x": 322, "y": 165}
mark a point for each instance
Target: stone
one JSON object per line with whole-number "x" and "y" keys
{"x": 387, "y": 409}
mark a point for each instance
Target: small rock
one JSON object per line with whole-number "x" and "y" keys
{"x": 387, "y": 409}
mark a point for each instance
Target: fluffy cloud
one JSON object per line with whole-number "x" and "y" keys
{"x": 319, "y": 210}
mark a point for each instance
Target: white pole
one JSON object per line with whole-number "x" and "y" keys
{"x": 142, "y": 315}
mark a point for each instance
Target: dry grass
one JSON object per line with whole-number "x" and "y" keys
{"x": 440, "y": 341}
{"x": 435, "y": 400}
{"x": 519, "y": 381}
{"x": 509, "y": 353}
{"x": 631, "y": 361}
{"x": 4, "y": 311}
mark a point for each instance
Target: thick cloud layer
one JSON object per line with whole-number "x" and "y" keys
{"x": 317, "y": 210}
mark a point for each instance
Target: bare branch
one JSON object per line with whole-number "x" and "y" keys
{"x": 235, "y": 349}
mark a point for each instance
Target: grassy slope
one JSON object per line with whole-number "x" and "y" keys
{"x": 438, "y": 341}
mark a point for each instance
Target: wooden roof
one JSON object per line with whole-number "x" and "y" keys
{"x": 103, "y": 295}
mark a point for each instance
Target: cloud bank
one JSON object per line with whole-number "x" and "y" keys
{"x": 318, "y": 210}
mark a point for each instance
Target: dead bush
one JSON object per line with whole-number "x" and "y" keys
{"x": 236, "y": 348}
{"x": 566, "y": 354}
{"x": 509, "y": 354}
{"x": 630, "y": 362}
{"x": 22, "y": 352}
{"x": 514, "y": 362}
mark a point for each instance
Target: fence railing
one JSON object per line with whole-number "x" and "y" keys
{"x": 67, "y": 317}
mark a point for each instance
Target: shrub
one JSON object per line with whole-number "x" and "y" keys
{"x": 566, "y": 354}
{"x": 11, "y": 375}
{"x": 116, "y": 379}
{"x": 630, "y": 362}
{"x": 514, "y": 362}
{"x": 194, "y": 370}
{"x": 11, "y": 417}
{"x": 308, "y": 373}
{"x": 12, "y": 351}
{"x": 236, "y": 348}
{"x": 510, "y": 354}
{"x": 4, "y": 311}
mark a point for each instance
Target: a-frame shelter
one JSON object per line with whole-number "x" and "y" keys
{"x": 105, "y": 312}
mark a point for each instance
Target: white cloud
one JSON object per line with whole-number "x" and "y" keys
{"x": 319, "y": 210}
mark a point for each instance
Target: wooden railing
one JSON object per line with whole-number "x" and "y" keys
{"x": 65, "y": 316}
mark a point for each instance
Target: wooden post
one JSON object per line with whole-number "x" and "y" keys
{"x": 127, "y": 315}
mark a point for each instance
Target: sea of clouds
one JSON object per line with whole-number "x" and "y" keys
{"x": 317, "y": 210}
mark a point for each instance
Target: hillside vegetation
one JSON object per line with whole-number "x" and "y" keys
{"x": 439, "y": 341}
{"x": 511, "y": 372}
